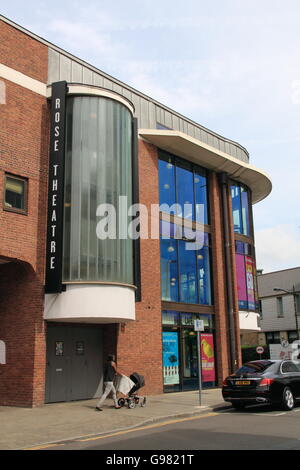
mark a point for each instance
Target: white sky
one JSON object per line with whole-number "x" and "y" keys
{"x": 231, "y": 65}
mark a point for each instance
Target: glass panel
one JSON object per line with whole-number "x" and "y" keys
{"x": 169, "y": 270}
{"x": 204, "y": 279}
{"x": 98, "y": 171}
{"x": 236, "y": 208}
{"x": 14, "y": 193}
{"x": 166, "y": 172}
{"x": 245, "y": 211}
{"x": 185, "y": 192}
{"x": 200, "y": 185}
{"x": 170, "y": 317}
{"x": 187, "y": 274}
{"x": 190, "y": 356}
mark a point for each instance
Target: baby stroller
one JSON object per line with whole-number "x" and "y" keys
{"x": 131, "y": 400}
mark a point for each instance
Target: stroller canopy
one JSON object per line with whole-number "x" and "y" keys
{"x": 138, "y": 379}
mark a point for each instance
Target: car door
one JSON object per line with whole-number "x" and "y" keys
{"x": 291, "y": 373}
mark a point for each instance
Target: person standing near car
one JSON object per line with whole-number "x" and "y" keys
{"x": 110, "y": 371}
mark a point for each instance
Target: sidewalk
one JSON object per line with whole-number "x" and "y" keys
{"x": 29, "y": 427}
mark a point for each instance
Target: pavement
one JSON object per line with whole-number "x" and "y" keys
{"x": 32, "y": 428}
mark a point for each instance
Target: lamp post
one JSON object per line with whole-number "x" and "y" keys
{"x": 293, "y": 291}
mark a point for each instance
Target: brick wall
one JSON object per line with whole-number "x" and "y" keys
{"x": 139, "y": 347}
{"x": 24, "y": 141}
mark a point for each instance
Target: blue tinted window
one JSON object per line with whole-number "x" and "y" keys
{"x": 204, "y": 278}
{"x": 187, "y": 274}
{"x": 245, "y": 212}
{"x": 183, "y": 183}
{"x": 166, "y": 173}
{"x": 236, "y": 208}
{"x": 200, "y": 185}
{"x": 240, "y": 210}
{"x": 185, "y": 193}
{"x": 169, "y": 269}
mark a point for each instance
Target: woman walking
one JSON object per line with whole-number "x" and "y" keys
{"x": 110, "y": 371}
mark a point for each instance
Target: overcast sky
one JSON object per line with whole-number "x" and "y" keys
{"x": 230, "y": 65}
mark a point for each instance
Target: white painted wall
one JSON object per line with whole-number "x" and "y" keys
{"x": 87, "y": 303}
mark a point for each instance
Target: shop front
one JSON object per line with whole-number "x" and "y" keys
{"x": 180, "y": 351}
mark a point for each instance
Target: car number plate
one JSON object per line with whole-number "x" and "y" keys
{"x": 243, "y": 382}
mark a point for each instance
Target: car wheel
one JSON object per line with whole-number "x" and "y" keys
{"x": 287, "y": 399}
{"x": 238, "y": 405}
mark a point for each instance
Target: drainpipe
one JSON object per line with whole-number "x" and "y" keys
{"x": 223, "y": 180}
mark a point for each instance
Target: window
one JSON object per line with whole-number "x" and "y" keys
{"x": 15, "y": 194}
{"x": 279, "y": 304}
{"x": 273, "y": 337}
{"x": 185, "y": 272}
{"x": 298, "y": 303}
{"x": 245, "y": 271}
{"x": 240, "y": 210}
{"x": 184, "y": 184}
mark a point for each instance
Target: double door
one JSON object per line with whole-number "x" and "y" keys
{"x": 74, "y": 362}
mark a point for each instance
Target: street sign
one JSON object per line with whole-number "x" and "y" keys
{"x": 198, "y": 325}
{"x": 259, "y": 349}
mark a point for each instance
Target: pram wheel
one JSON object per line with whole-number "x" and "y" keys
{"x": 143, "y": 402}
{"x": 131, "y": 404}
{"x": 121, "y": 401}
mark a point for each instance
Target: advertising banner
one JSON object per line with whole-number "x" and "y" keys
{"x": 250, "y": 283}
{"x": 170, "y": 358}
{"x": 208, "y": 357}
{"x": 241, "y": 283}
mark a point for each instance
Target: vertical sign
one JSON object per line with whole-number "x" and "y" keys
{"x": 208, "y": 357}
{"x": 170, "y": 358}
{"x": 56, "y": 189}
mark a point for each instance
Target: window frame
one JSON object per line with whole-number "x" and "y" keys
{"x": 15, "y": 209}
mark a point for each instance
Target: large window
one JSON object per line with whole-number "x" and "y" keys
{"x": 240, "y": 210}
{"x": 184, "y": 184}
{"x": 98, "y": 171}
{"x": 185, "y": 272}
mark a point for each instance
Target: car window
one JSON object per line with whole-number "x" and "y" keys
{"x": 289, "y": 366}
{"x": 256, "y": 367}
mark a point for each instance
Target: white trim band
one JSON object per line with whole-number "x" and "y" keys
{"x": 23, "y": 80}
{"x": 82, "y": 90}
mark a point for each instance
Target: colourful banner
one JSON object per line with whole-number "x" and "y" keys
{"x": 250, "y": 283}
{"x": 241, "y": 282}
{"x": 170, "y": 358}
{"x": 208, "y": 357}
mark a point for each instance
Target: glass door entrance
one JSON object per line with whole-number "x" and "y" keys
{"x": 190, "y": 379}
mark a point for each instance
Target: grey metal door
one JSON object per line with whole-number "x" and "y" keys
{"x": 74, "y": 363}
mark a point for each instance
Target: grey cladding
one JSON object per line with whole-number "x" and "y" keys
{"x": 63, "y": 66}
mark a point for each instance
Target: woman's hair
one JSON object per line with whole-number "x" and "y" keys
{"x": 111, "y": 357}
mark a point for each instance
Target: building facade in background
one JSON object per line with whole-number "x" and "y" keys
{"x": 279, "y": 294}
{"x": 83, "y": 154}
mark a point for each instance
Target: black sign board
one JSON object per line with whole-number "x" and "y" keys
{"x": 54, "y": 253}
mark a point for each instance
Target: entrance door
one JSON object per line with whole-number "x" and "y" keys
{"x": 190, "y": 380}
{"x": 74, "y": 363}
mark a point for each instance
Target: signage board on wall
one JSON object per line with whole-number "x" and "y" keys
{"x": 207, "y": 357}
{"x": 54, "y": 254}
{"x": 170, "y": 358}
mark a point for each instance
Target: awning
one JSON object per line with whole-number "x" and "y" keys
{"x": 183, "y": 145}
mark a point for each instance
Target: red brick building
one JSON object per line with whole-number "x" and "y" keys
{"x": 135, "y": 298}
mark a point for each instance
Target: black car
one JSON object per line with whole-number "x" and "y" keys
{"x": 265, "y": 381}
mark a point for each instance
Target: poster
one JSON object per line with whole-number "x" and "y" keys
{"x": 241, "y": 282}
{"x": 250, "y": 283}
{"x": 170, "y": 358}
{"x": 208, "y": 357}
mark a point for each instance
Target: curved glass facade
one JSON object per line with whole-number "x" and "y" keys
{"x": 98, "y": 170}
